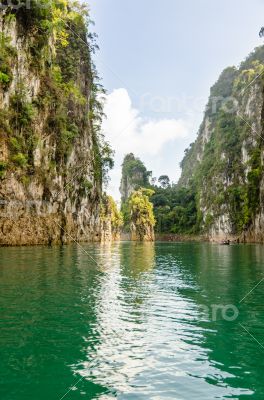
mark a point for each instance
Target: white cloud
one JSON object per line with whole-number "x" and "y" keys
{"x": 128, "y": 132}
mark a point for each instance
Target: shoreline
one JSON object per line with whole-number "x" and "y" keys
{"x": 164, "y": 237}
{"x": 171, "y": 237}
{"x": 174, "y": 237}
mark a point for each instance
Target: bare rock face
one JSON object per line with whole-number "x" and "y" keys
{"x": 144, "y": 233}
{"x": 50, "y": 170}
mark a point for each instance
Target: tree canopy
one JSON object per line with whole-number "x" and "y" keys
{"x": 164, "y": 181}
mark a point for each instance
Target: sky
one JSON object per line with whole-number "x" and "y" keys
{"x": 158, "y": 60}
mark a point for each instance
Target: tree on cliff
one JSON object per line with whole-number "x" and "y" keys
{"x": 164, "y": 181}
{"x": 111, "y": 219}
{"x": 142, "y": 219}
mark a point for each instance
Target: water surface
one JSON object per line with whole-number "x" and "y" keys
{"x": 140, "y": 323}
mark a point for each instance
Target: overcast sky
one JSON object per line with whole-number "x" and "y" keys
{"x": 158, "y": 59}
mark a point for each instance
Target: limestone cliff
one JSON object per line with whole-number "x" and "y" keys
{"x": 111, "y": 220}
{"x": 142, "y": 219}
{"x": 134, "y": 176}
{"x": 51, "y": 157}
{"x": 225, "y": 163}
{"x": 136, "y": 208}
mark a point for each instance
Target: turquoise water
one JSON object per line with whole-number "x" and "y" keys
{"x": 146, "y": 321}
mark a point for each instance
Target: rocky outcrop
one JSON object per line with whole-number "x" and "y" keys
{"x": 137, "y": 210}
{"x": 50, "y": 160}
{"x": 111, "y": 220}
{"x": 141, "y": 218}
{"x": 225, "y": 163}
{"x": 144, "y": 233}
{"x": 134, "y": 176}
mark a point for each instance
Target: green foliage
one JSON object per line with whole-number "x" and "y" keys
{"x": 135, "y": 169}
{"x": 116, "y": 215}
{"x": 86, "y": 186}
{"x": 25, "y": 180}
{"x": 32, "y": 20}
{"x": 209, "y": 220}
{"x": 246, "y": 76}
{"x": 4, "y": 79}
{"x": 70, "y": 94}
{"x": 141, "y": 211}
{"x": 66, "y": 136}
{"x": 241, "y": 198}
{"x": 103, "y": 160}
{"x": 107, "y": 160}
{"x": 134, "y": 176}
{"x": 175, "y": 209}
{"x": 126, "y": 216}
{"x": 109, "y": 210}
{"x": 103, "y": 153}
{"x": 21, "y": 137}
{"x": 221, "y": 90}
{"x": 256, "y": 55}
{"x": 164, "y": 181}
{"x": 16, "y": 144}
{"x": 222, "y": 182}
{"x": 3, "y": 168}
{"x": 7, "y": 54}
{"x": 254, "y": 177}
{"x": 172, "y": 207}
{"x": 23, "y": 111}
{"x": 20, "y": 160}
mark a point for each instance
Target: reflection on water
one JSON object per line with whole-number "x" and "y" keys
{"x": 120, "y": 354}
{"x": 148, "y": 329}
{"x": 132, "y": 325}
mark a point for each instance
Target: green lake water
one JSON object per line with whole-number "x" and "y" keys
{"x": 145, "y": 321}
